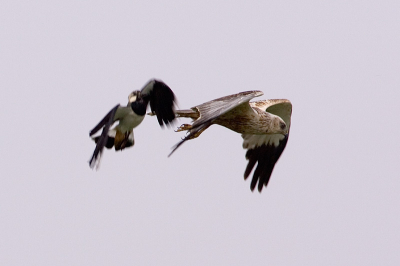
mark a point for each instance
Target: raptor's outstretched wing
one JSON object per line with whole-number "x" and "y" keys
{"x": 211, "y": 110}
{"x": 265, "y": 150}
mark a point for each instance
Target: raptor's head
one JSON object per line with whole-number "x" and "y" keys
{"x": 279, "y": 126}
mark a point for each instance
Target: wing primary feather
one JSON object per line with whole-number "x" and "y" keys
{"x": 265, "y": 177}
{"x": 250, "y": 165}
{"x": 177, "y": 146}
{"x": 266, "y": 157}
{"x": 256, "y": 176}
{"x": 103, "y": 121}
{"x": 193, "y": 133}
{"x": 102, "y": 141}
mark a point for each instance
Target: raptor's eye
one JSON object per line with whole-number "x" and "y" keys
{"x": 283, "y": 125}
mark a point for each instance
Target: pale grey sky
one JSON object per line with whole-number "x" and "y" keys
{"x": 333, "y": 198}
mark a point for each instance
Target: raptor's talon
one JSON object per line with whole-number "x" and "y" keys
{"x": 183, "y": 128}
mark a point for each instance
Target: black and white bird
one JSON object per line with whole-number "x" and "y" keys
{"x": 264, "y": 126}
{"x": 162, "y": 104}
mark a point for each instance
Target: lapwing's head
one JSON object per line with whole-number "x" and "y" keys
{"x": 134, "y": 96}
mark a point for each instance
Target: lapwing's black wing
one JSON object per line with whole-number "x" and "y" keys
{"x": 106, "y": 123}
{"x": 109, "y": 115}
{"x": 265, "y": 150}
{"x": 211, "y": 110}
{"x": 162, "y": 101}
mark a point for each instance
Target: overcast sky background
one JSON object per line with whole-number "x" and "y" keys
{"x": 333, "y": 198}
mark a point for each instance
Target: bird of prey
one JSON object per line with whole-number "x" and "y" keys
{"x": 264, "y": 126}
{"x": 162, "y": 102}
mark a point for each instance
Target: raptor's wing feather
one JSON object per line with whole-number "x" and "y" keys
{"x": 265, "y": 155}
{"x": 213, "y": 109}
